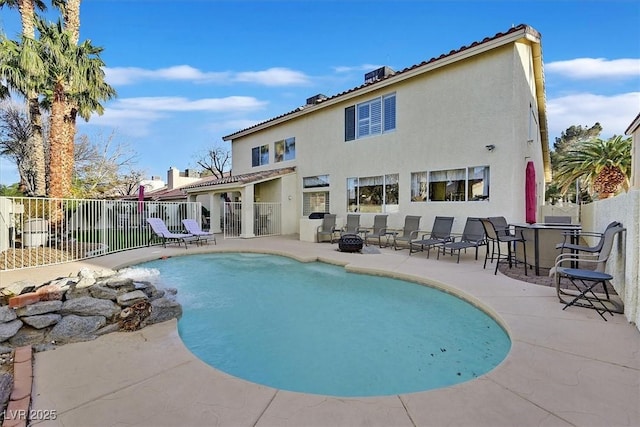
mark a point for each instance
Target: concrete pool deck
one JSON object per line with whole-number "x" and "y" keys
{"x": 565, "y": 368}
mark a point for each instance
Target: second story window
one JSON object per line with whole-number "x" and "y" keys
{"x": 260, "y": 155}
{"x": 372, "y": 117}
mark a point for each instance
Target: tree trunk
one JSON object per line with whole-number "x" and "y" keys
{"x": 36, "y": 148}
{"x": 58, "y": 165}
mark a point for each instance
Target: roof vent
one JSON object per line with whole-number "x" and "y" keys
{"x": 379, "y": 74}
{"x": 316, "y": 99}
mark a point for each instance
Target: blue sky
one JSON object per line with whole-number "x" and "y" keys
{"x": 189, "y": 72}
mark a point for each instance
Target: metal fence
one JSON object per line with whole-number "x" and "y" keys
{"x": 37, "y": 231}
{"x": 266, "y": 219}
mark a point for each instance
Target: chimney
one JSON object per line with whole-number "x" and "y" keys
{"x": 172, "y": 177}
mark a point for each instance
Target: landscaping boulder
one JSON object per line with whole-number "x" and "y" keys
{"x": 37, "y": 308}
{"x": 9, "y": 329}
{"x": 76, "y": 328}
{"x": 88, "y": 306}
{"x": 102, "y": 292}
{"x": 7, "y": 314}
{"x": 163, "y": 309}
{"x": 28, "y": 336}
{"x": 131, "y": 298}
{"x": 42, "y": 320}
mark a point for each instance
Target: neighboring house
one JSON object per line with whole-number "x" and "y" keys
{"x": 634, "y": 131}
{"x": 449, "y": 136}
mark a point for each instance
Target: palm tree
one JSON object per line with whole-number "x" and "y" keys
{"x": 28, "y": 87}
{"x": 605, "y": 166}
{"x": 75, "y": 77}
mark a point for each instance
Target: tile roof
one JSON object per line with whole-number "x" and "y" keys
{"x": 243, "y": 179}
{"x": 519, "y": 28}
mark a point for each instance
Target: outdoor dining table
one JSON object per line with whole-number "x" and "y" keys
{"x": 541, "y": 240}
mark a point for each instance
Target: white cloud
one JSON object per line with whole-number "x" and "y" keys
{"x": 121, "y": 76}
{"x": 595, "y": 68}
{"x": 273, "y": 77}
{"x": 351, "y": 68}
{"x": 614, "y": 113}
{"x": 175, "y": 103}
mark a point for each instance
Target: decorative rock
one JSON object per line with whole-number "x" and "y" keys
{"x": 9, "y": 329}
{"x": 64, "y": 283}
{"x": 6, "y": 386}
{"x": 132, "y": 318}
{"x": 95, "y": 274}
{"x": 130, "y": 298}
{"x": 42, "y": 307}
{"x": 87, "y": 306}
{"x": 74, "y": 292}
{"x": 163, "y": 309}
{"x": 85, "y": 283}
{"x": 170, "y": 293}
{"x": 28, "y": 336}
{"x": 117, "y": 282}
{"x": 103, "y": 292}
{"x": 86, "y": 273}
{"x": 5, "y": 349}
{"x": 114, "y": 327}
{"x": 7, "y": 314}
{"x": 17, "y": 287}
{"x": 50, "y": 292}
{"x": 42, "y": 321}
{"x": 76, "y": 328}
{"x": 151, "y": 291}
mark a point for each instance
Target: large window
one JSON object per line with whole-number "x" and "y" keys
{"x": 373, "y": 194}
{"x": 315, "y": 201}
{"x": 285, "y": 150}
{"x": 458, "y": 185}
{"x": 260, "y": 155}
{"x": 372, "y": 117}
{"x": 419, "y": 187}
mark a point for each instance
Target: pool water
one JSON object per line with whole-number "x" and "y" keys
{"x": 315, "y": 328}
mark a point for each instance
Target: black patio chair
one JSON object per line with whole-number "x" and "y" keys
{"x": 576, "y": 247}
{"x": 440, "y": 234}
{"x": 409, "y": 232}
{"x": 584, "y": 281}
{"x": 378, "y": 231}
{"x": 327, "y": 228}
{"x": 472, "y": 237}
{"x": 498, "y": 236}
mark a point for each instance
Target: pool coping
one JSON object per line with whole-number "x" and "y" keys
{"x": 565, "y": 367}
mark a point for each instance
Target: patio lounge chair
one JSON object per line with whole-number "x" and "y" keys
{"x": 378, "y": 231}
{"x": 160, "y": 230}
{"x": 440, "y": 234}
{"x": 472, "y": 237}
{"x": 192, "y": 227}
{"x": 584, "y": 281}
{"x": 352, "y": 226}
{"x": 575, "y": 247}
{"x": 409, "y": 232}
{"x": 327, "y": 228}
{"x": 497, "y": 236}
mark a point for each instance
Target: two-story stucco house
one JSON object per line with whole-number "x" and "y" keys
{"x": 449, "y": 136}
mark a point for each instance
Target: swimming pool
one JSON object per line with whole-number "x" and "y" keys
{"x": 315, "y": 328}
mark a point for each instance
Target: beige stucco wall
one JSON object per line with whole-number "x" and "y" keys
{"x": 444, "y": 120}
{"x": 624, "y": 264}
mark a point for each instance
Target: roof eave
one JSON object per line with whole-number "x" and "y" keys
{"x": 526, "y": 32}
